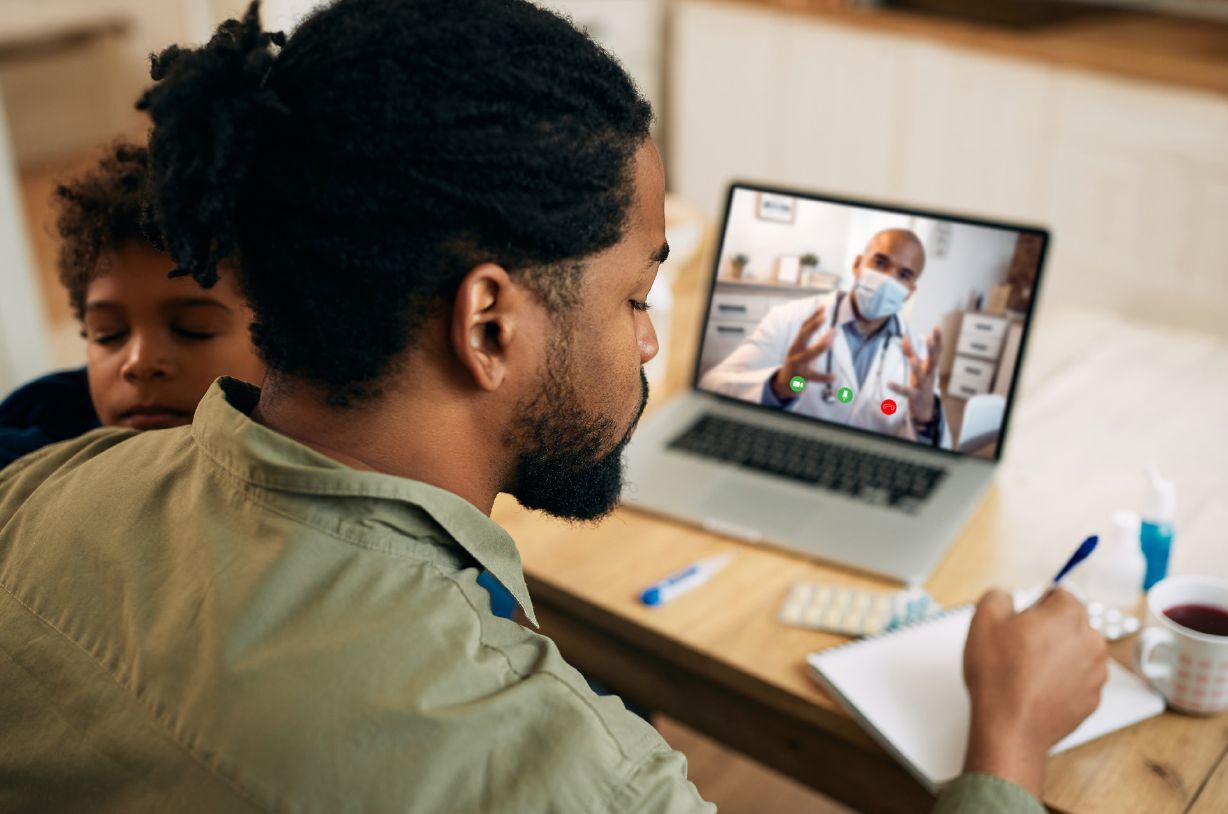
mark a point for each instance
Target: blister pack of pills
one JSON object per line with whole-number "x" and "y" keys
{"x": 1112, "y": 623}
{"x": 854, "y": 611}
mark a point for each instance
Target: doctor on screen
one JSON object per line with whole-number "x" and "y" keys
{"x": 852, "y": 339}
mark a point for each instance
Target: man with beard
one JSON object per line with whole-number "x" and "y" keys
{"x": 446, "y": 216}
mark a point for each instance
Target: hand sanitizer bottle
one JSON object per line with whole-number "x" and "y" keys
{"x": 1112, "y": 579}
{"x": 1156, "y": 530}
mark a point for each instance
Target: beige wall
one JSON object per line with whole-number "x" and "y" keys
{"x": 23, "y": 354}
{"x": 275, "y": 15}
{"x": 1131, "y": 176}
{"x": 62, "y": 96}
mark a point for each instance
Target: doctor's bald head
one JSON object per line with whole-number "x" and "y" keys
{"x": 895, "y": 252}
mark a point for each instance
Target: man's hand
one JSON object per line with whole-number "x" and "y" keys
{"x": 921, "y": 374}
{"x": 1032, "y": 677}
{"x": 801, "y": 354}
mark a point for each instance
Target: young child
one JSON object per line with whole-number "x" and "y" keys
{"x": 155, "y": 343}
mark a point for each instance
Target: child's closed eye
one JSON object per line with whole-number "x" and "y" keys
{"x": 193, "y": 333}
{"x": 106, "y": 337}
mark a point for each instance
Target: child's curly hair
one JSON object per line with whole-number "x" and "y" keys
{"x": 99, "y": 210}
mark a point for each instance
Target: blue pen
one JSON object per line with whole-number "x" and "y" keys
{"x": 1085, "y": 549}
{"x": 682, "y": 581}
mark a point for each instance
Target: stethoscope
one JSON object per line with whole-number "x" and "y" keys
{"x": 829, "y": 392}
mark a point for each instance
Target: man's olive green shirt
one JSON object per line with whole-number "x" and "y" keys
{"x": 217, "y": 618}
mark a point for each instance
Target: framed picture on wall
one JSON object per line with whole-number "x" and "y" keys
{"x": 778, "y": 208}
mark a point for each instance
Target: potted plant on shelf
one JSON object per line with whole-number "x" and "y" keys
{"x": 739, "y": 263}
{"x": 809, "y": 263}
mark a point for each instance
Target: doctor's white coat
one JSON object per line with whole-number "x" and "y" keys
{"x": 744, "y": 372}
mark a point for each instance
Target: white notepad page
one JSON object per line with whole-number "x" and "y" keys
{"x": 907, "y": 689}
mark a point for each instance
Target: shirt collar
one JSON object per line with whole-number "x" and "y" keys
{"x": 844, "y": 308}
{"x": 270, "y": 460}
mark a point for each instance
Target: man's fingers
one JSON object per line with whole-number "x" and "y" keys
{"x": 913, "y": 361}
{"x": 910, "y": 353}
{"x": 934, "y": 351}
{"x": 817, "y": 348}
{"x": 896, "y": 387}
{"x": 1060, "y": 602}
{"x": 1058, "y": 598}
{"x": 1102, "y": 656}
{"x": 994, "y": 606}
{"x": 813, "y": 376}
{"x": 808, "y": 327}
{"x": 825, "y": 340}
{"x": 915, "y": 372}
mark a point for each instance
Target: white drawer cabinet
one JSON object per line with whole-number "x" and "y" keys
{"x": 739, "y": 306}
{"x": 720, "y": 339}
{"x": 981, "y": 335}
{"x": 735, "y": 315}
{"x": 970, "y": 377}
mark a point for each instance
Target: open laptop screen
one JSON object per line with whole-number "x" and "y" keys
{"x": 903, "y": 323}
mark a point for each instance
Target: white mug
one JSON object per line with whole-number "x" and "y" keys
{"x": 1189, "y": 668}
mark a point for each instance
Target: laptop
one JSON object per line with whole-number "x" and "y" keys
{"x": 821, "y": 415}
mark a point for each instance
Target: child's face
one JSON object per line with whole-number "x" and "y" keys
{"x": 156, "y": 344}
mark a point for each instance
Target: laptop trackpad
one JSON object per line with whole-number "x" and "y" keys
{"x": 754, "y": 507}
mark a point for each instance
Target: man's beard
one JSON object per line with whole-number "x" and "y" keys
{"x": 561, "y": 467}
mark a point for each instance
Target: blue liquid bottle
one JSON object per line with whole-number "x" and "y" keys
{"x": 1156, "y": 530}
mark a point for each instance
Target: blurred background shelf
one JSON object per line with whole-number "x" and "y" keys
{"x": 1131, "y": 174}
{"x": 1178, "y": 42}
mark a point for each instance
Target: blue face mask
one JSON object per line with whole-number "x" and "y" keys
{"x": 879, "y": 295}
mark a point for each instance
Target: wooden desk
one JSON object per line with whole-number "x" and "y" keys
{"x": 1100, "y": 398}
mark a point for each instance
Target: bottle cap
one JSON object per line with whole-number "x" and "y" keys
{"x": 1161, "y": 501}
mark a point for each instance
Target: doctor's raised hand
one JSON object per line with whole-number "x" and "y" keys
{"x": 799, "y": 361}
{"x": 921, "y": 375}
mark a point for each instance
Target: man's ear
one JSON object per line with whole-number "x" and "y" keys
{"x": 857, "y": 267}
{"x": 485, "y": 321}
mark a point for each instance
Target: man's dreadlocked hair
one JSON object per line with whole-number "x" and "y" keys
{"x": 360, "y": 170}
{"x": 98, "y": 210}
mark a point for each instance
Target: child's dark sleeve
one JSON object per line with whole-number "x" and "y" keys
{"x": 47, "y": 410}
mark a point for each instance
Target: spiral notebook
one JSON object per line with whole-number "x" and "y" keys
{"x": 906, "y": 688}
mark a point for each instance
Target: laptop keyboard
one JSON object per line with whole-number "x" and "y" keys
{"x": 877, "y": 479}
